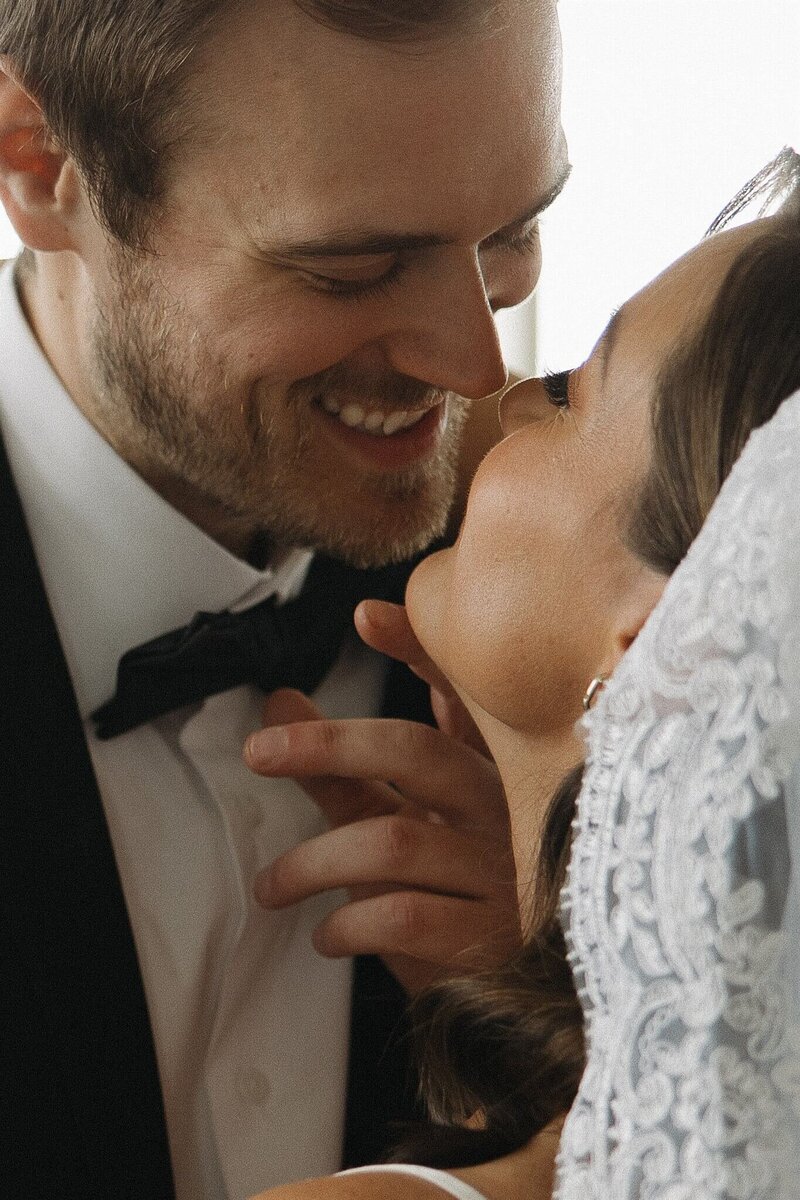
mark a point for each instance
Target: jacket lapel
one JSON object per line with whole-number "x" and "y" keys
{"x": 88, "y": 1118}
{"x": 80, "y": 998}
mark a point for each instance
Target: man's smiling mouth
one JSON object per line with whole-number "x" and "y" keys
{"x": 376, "y": 421}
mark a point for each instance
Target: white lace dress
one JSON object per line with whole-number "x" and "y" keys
{"x": 682, "y": 904}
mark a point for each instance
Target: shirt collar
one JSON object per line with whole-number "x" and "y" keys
{"x": 119, "y": 564}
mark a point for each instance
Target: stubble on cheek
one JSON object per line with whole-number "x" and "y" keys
{"x": 366, "y": 517}
{"x": 254, "y": 456}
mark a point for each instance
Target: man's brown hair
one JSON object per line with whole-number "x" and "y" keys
{"x": 109, "y": 74}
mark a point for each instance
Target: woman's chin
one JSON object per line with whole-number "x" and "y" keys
{"x": 426, "y": 604}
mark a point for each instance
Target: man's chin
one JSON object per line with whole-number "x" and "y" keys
{"x": 378, "y": 547}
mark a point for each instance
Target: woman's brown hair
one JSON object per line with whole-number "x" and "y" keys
{"x": 726, "y": 381}
{"x": 509, "y": 1045}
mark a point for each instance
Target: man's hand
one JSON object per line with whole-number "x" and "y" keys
{"x": 386, "y": 628}
{"x": 419, "y": 828}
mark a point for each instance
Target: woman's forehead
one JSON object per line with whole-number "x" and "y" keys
{"x": 655, "y": 322}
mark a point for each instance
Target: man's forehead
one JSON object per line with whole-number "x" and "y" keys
{"x": 280, "y": 43}
{"x": 327, "y": 97}
{"x": 448, "y": 144}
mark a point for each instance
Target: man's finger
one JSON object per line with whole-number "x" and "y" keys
{"x": 386, "y": 628}
{"x": 388, "y": 851}
{"x": 444, "y": 931}
{"x": 343, "y": 801}
{"x": 286, "y": 705}
{"x": 425, "y": 765}
{"x": 340, "y": 800}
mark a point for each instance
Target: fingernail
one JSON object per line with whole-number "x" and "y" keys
{"x": 363, "y": 613}
{"x": 266, "y": 745}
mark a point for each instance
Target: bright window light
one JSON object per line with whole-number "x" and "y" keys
{"x": 669, "y": 107}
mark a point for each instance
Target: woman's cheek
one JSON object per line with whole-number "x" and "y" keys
{"x": 448, "y": 605}
{"x": 468, "y": 616}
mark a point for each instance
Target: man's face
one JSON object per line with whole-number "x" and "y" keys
{"x": 288, "y": 367}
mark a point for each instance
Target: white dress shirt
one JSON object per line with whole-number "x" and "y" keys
{"x": 250, "y": 1024}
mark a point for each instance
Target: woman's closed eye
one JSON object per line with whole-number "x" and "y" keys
{"x": 556, "y": 385}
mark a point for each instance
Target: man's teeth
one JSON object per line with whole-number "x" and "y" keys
{"x": 380, "y": 423}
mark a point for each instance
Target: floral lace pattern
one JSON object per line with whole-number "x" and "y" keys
{"x": 682, "y": 902}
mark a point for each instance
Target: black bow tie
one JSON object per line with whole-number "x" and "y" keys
{"x": 269, "y": 645}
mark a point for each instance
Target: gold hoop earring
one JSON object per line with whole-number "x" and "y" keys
{"x": 594, "y": 687}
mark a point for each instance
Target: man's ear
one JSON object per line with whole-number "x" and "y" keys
{"x": 39, "y": 186}
{"x": 643, "y": 594}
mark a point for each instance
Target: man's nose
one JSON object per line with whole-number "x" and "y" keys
{"x": 511, "y": 275}
{"x": 446, "y": 334}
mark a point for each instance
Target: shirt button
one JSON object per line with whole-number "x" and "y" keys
{"x": 253, "y": 1087}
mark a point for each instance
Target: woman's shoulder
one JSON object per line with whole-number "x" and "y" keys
{"x": 526, "y": 1174}
{"x": 371, "y": 1185}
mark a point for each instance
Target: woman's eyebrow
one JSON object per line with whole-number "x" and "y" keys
{"x": 351, "y": 243}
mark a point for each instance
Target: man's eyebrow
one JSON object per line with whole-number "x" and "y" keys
{"x": 535, "y": 211}
{"x": 351, "y": 243}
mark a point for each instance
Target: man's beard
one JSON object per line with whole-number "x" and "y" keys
{"x": 254, "y": 465}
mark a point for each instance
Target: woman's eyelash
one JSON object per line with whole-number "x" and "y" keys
{"x": 556, "y": 384}
{"x": 360, "y": 289}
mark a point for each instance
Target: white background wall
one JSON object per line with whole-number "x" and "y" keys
{"x": 669, "y": 106}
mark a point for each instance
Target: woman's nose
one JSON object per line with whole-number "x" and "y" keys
{"x": 520, "y": 405}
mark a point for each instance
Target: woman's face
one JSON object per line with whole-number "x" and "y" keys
{"x": 540, "y": 593}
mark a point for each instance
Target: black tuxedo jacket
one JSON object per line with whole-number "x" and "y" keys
{"x": 81, "y": 1114}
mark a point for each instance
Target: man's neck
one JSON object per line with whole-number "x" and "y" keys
{"x": 55, "y": 298}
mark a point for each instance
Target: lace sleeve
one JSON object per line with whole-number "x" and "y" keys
{"x": 682, "y": 904}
